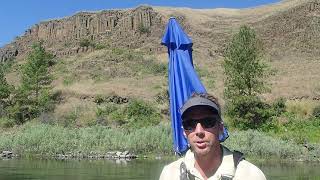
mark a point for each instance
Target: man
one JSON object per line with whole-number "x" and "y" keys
{"x": 207, "y": 158}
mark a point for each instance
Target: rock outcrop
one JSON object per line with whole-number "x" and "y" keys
{"x": 127, "y": 28}
{"x": 293, "y": 28}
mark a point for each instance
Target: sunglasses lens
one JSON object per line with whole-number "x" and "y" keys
{"x": 206, "y": 123}
{"x": 188, "y": 125}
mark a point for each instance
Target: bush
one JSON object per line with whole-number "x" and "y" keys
{"x": 106, "y": 109}
{"x": 135, "y": 114}
{"x": 86, "y": 43}
{"x": 279, "y": 106}
{"x": 142, "y": 114}
{"x": 110, "y": 114}
{"x": 6, "y": 122}
{"x": 148, "y": 66}
{"x": 249, "y": 112}
{"x": 316, "y": 111}
{"x": 100, "y": 46}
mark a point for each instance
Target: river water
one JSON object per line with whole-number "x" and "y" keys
{"x": 21, "y": 169}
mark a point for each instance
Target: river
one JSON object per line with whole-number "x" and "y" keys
{"x": 21, "y": 169}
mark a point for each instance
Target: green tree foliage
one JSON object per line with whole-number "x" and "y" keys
{"x": 5, "y": 91}
{"x": 4, "y": 86}
{"x": 246, "y": 74}
{"x": 33, "y": 96}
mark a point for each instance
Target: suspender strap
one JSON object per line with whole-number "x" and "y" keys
{"x": 184, "y": 173}
{"x": 237, "y": 157}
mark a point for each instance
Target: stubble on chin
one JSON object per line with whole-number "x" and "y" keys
{"x": 208, "y": 151}
{"x": 202, "y": 152}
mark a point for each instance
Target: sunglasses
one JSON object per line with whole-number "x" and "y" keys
{"x": 208, "y": 122}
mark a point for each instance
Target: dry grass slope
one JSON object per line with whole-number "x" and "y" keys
{"x": 289, "y": 30}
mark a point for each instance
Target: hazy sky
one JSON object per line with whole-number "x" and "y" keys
{"x": 16, "y": 16}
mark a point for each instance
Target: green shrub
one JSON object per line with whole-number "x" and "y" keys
{"x": 117, "y": 118}
{"x": 135, "y": 114}
{"x": 141, "y": 114}
{"x": 6, "y": 122}
{"x": 316, "y": 111}
{"x": 100, "y": 46}
{"x": 248, "y": 112}
{"x": 158, "y": 68}
{"x": 149, "y": 66}
{"x": 98, "y": 99}
{"x": 86, "y": 43}
{"x": 279, "y": 106}
{"x": 106, "y": 109}
{"x": 118, "y": 51}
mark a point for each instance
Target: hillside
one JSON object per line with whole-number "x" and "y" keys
{"x": 124, "y": 57}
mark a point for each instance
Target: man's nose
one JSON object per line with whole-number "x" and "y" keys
{"x": 199, "y": 130}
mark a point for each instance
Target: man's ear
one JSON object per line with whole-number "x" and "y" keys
{"x": 221, "y": 128}
{"x": 184, "y": 134}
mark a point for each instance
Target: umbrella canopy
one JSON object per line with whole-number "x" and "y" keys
{"x": 183, "y": 79}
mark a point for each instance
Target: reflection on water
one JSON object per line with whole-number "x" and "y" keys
{"x": 18, "y": 169}
{"x": 291, "y": 170}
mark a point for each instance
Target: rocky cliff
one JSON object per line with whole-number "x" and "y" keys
{"x": 127, "y": 28}
{"x": 291, "y": 25}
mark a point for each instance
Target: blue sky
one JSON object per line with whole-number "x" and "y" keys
{"x": 16, "y": 16}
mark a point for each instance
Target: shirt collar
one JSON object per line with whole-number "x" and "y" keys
{"x": 226, "y": 167}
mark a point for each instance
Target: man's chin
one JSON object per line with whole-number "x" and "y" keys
{"x": 201, "y": 151}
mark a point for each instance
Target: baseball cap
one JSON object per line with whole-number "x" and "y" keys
{"x": 198, "y": 101}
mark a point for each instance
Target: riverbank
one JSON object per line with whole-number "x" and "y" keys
{"x": 34, "y": 138}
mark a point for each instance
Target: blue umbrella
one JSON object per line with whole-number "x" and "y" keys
{"x": 183, "y": 79}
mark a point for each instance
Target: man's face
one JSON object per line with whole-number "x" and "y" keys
{"x": 203, "y": 141}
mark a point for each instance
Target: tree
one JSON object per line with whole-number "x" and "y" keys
{"x": 33, "y": 96}
{"x": 245, "y": 80}
{"x": 5, "y": 90}
{"x": 4, "y": 86}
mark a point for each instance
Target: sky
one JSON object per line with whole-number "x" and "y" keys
{"x": 16, "y": 16}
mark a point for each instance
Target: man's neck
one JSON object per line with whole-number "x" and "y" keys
{"x": 208, "y": 165}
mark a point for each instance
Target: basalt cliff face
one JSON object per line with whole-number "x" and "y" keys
{"x": 129, "y": 28}
{"x": 287, "y": 26}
